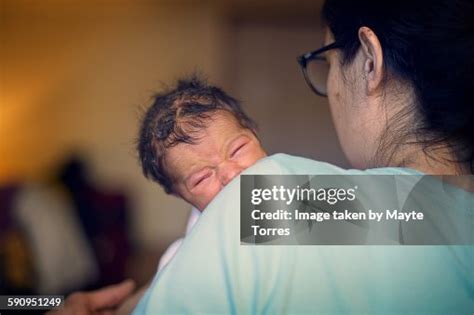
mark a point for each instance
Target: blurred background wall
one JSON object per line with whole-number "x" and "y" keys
{"x": 76, "y": 74}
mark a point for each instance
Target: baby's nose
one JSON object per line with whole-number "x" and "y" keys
{"x": 228, "y": 171}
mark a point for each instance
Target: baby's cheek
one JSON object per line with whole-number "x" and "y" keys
{"x": 252, "y": 158}
{"x": 210, "y": 192}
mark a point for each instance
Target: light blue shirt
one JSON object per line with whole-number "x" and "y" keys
{"x": 213, "y": 273}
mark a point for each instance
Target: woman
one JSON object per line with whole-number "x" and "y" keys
{"x": 400, "y": 86}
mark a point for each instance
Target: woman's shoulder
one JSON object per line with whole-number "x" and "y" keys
{"x": 282, "y": 163}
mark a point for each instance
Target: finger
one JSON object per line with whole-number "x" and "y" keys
{"x": 110, "y": 296}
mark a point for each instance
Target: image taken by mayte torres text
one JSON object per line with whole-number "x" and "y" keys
{"x": 354, "y": 209}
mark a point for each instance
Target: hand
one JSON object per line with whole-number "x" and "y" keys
{"x": 103, "y": 301}
{"x": 131, "y": 302}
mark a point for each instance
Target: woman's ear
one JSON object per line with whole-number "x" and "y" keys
{"x": 372, "y": 60}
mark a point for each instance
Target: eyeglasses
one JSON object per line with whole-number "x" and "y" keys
{"x": 316, "y": 68}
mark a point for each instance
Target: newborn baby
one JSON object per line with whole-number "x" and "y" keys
{"x": 193, "y": 143}
{"x": 194, "y": 139}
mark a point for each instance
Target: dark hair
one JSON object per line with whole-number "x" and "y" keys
{"x": 176, "y": 116}
{"x": 430, "y": 44}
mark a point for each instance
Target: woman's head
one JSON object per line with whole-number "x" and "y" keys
{"x": 401, "y": 83}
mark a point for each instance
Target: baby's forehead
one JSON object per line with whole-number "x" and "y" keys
{"x": 207, "y": 141}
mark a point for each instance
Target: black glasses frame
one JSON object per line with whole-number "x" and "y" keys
{"x": 303, "y": 60}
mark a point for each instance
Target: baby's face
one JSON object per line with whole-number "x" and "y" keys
{"x": 199, "y": 171}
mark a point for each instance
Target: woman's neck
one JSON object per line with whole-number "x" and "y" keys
{"x": 439, "y": 161}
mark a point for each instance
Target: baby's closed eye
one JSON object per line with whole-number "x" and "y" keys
{"x": 199, "y": 178}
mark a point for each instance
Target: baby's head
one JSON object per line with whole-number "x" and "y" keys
{"x": 194, "y": 139}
